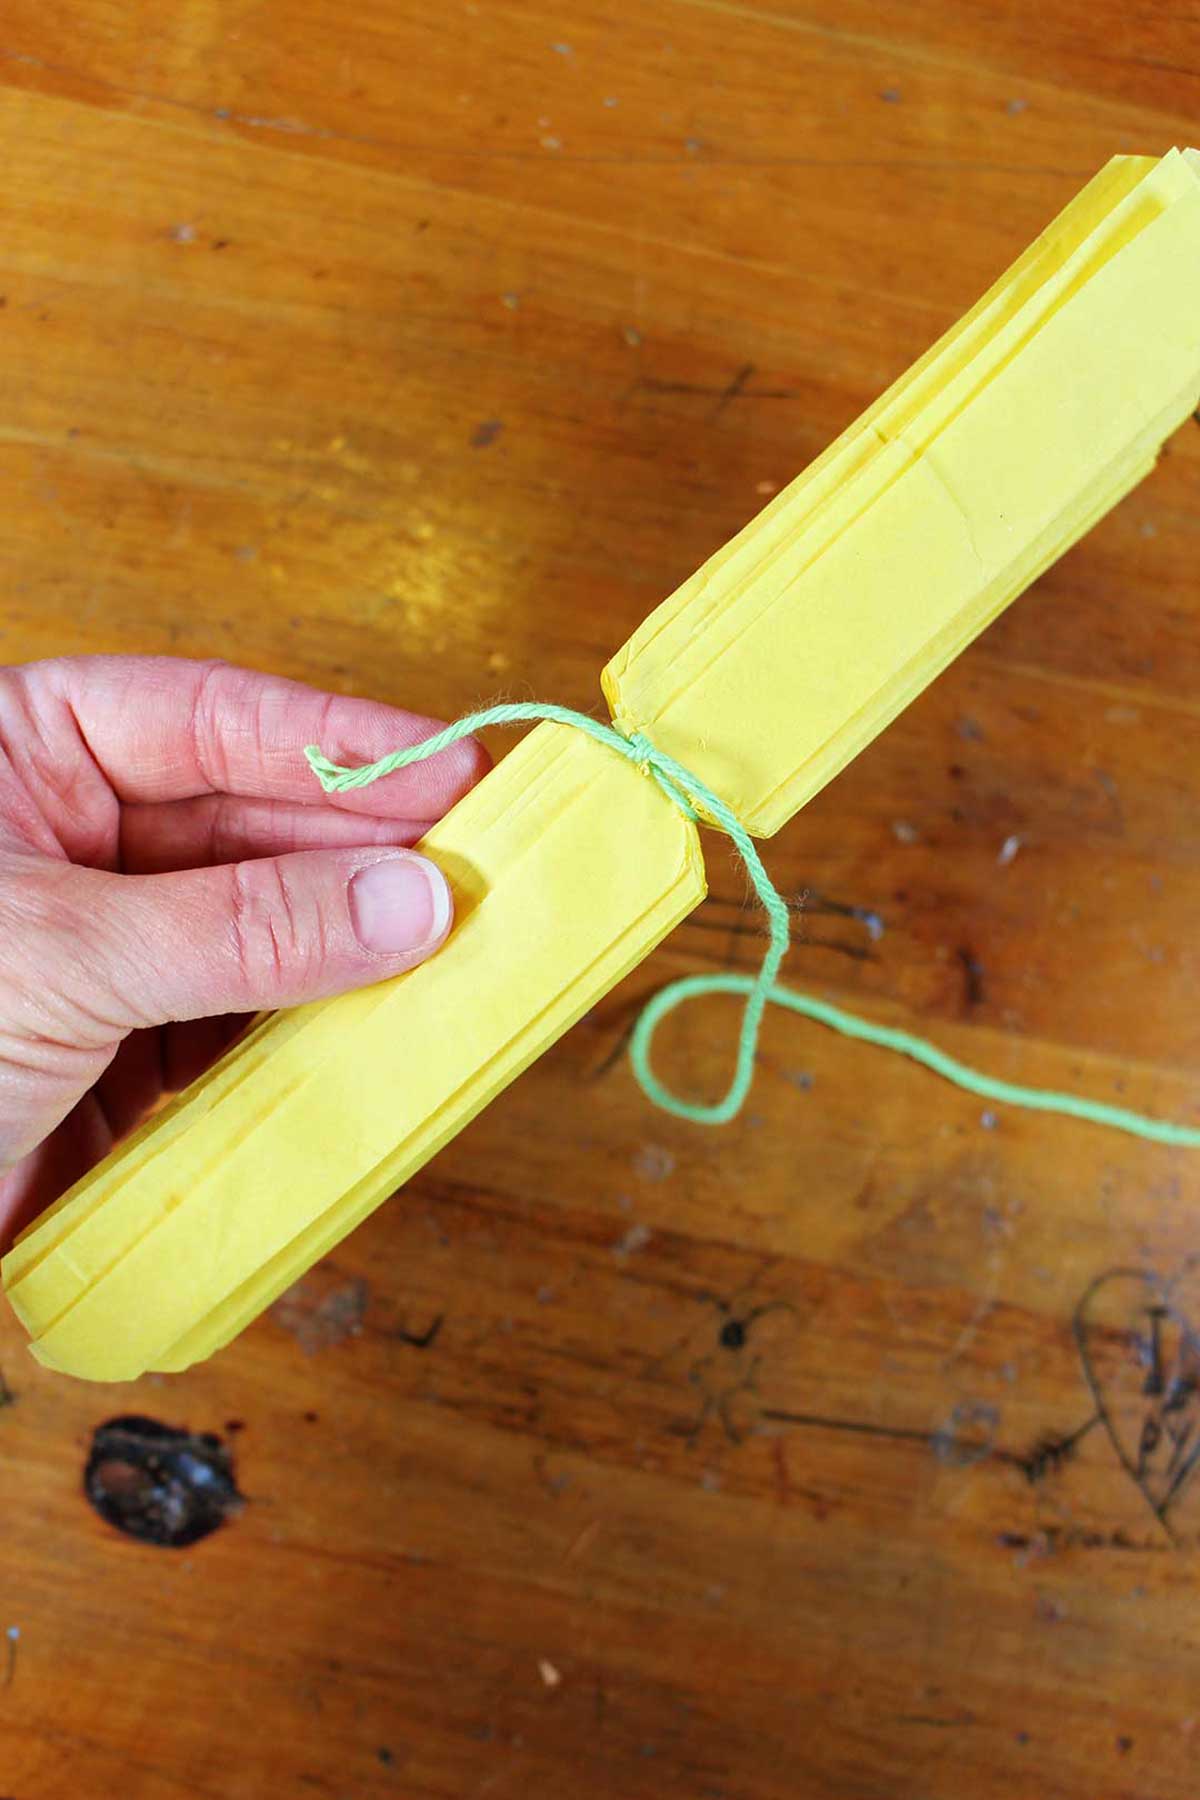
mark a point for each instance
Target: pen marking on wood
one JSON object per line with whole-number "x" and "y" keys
{"x": 737, "y": 388}
{"x": 420, "y": 1340}
{"x": 1140, "y": 1359}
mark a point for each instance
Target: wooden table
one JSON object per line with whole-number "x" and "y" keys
{"x": 418, "y": 352}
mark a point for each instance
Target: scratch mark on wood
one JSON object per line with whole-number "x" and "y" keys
{"x": 972, "y": 968}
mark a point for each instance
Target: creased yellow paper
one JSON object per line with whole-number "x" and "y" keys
{"x": 798, "y": 642}
{"x": 764, "y": 673}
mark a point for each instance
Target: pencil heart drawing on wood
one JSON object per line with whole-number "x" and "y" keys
{"x": 1141, "y": 1358}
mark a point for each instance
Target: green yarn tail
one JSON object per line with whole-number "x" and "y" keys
{"x": 698, "y": 802}
{"x": 903, "y": 1043}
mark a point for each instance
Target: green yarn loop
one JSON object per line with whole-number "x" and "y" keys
{"x": 699, "y": 803}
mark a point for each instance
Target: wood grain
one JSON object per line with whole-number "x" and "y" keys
{"x": 419, "y": 352}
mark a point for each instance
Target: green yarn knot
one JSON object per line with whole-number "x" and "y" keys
{"x": 697, "y": 802}
{"x": 650, "y": 762}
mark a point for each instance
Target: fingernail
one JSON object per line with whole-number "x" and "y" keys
{"x": 401, "y": 903}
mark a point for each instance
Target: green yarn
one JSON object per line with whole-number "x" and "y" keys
{"x": 698, "y": 803}
{"x": 904, "y": 1043}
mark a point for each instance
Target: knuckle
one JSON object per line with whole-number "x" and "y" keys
{"x": 55, "y": 975}
{"x": 205, "y": 726}
{"x": 275, "y": 944}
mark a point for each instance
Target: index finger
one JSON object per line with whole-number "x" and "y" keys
{"x": 162, "y": 728}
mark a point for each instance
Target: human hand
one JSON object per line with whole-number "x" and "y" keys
{"x": 166, "y": 862}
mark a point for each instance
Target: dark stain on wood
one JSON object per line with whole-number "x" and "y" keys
{"x": 160, "y": 1483}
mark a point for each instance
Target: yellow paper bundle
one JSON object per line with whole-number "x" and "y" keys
{"x": 800, "y": 640}
{"x": 764, "y": 674}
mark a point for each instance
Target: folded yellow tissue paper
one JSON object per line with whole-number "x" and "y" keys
{"x": 764, "y": 674}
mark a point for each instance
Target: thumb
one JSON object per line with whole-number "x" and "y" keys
{"x": 251, "y": 936}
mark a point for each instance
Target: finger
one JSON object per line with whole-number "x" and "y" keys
{"x": 224, "y": 828}
{"x": 132, "y": 1082}
{"x": 161, "y": 1060}
{"x": 117, "y": 1102}
{"x": 138, "y": 950}
{"x": 162, "y": 728}
{"x": 57, "y": 1164}
{"x": 194, "y": 1045}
